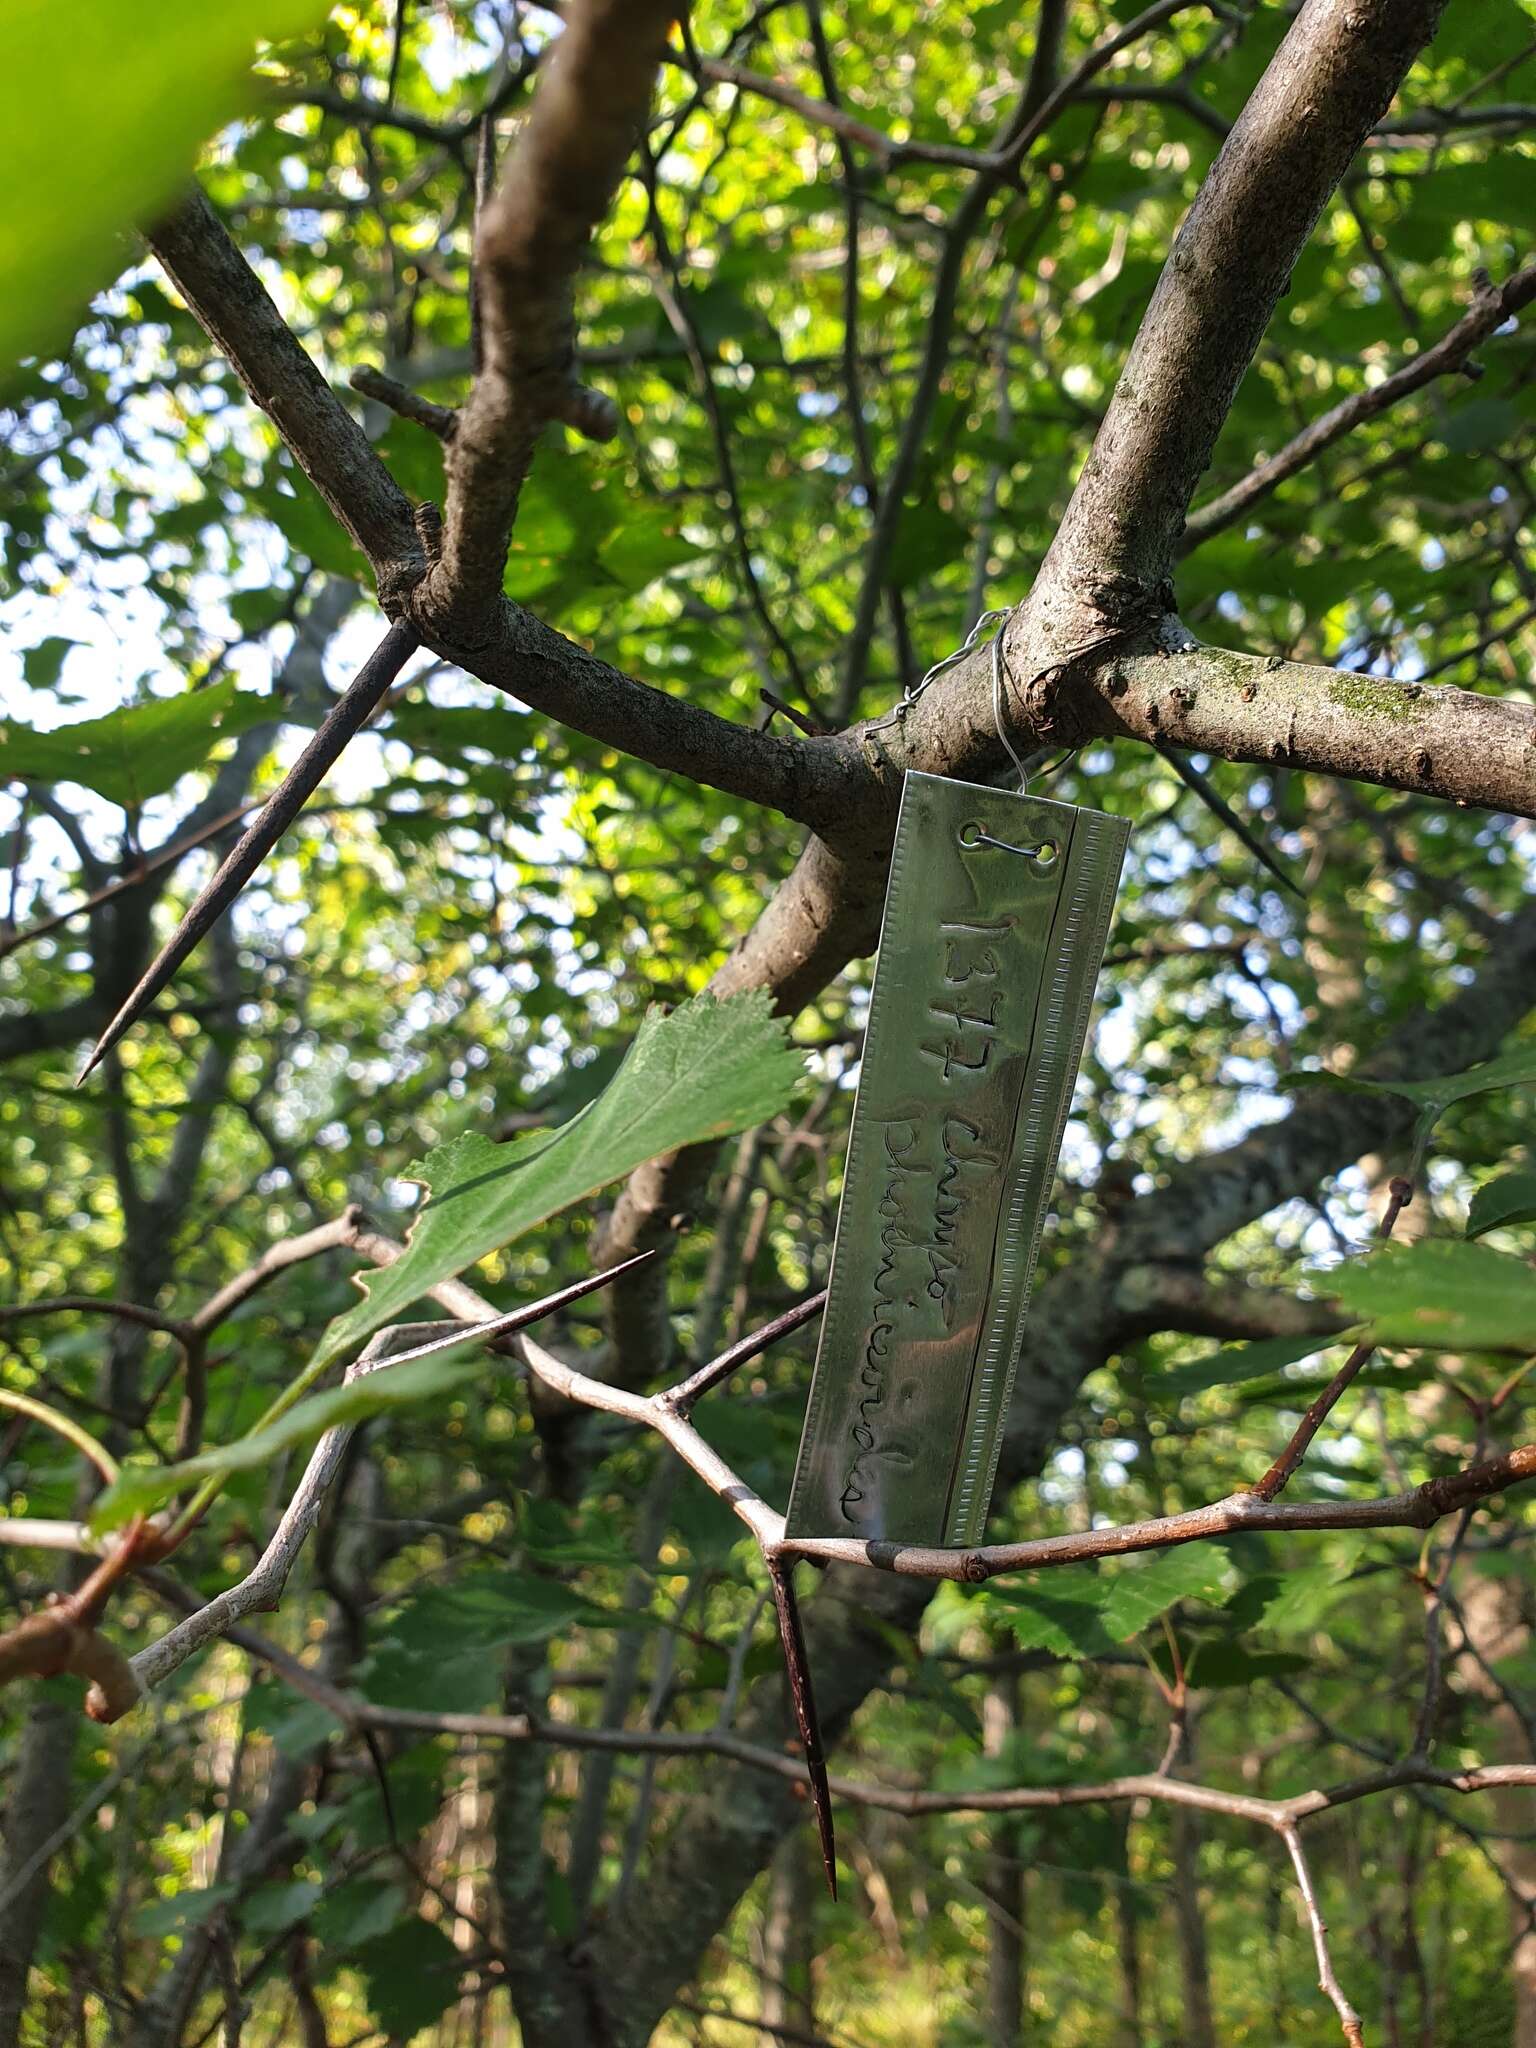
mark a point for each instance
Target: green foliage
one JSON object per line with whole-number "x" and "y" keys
{"x": 141, "y": 1487}
{"x": 1516, "y": 1069}
{"x": 1234, "y": 1363}
{"x": 700, "y": 1071}
{"x": 136, "y": 753}
{"x": 462, "y": 938}
{"x": 1509, "y": 1200}
{"x": 1443, "y": 1294}
{"x": 77, "y": 142}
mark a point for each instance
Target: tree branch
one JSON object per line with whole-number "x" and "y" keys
{"x": 1491, "y": 306}
{"x": 556, "y": 186}
{"x": 1328, "y": 84}
{"x": 233, "y": 308}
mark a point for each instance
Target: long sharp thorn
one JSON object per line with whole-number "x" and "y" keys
{"x": 520, "y": 1318}
{"x": 266, "y": 828}
{"x": 792, "y": 1640}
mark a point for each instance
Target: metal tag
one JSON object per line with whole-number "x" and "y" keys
{"x": 995, "y": 919}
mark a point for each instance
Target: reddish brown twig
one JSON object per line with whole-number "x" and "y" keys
{"x": 682, "y": 1397}
{"x": 1279, "y": 1473}
{"x": 61, "y": 1635}
{"x": 803, "y": 1700}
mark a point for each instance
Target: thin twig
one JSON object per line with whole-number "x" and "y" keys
{"x": 1327, "y": 1981}
{"x": 682, "y": 1397}
{"x": 1275, "y": 1479}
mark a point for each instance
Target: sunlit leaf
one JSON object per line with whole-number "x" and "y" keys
{"x": 1234, "y": 1363}
{"x": 138, "y": 752}
{"x": 1444, "y": 1294}
{"x": 90, "y": 148}
{"x": 1141, "y": 1591}
{"x": 139, "y": 1487}
{"x": 706, "y": 1069}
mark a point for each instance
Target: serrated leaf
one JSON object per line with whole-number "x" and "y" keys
{"x": 1139, "y": 1593}
{"x": 1509, "y": 1199}
{"x": 1442, "y": 1294}
{"x": 1067, "y": 1628}
{"x": 1055, "y": 1610}
{"x": 1234, "y": 1363}
{"x": 1510, "y": 1070}
{"x": 1305, "y": 1597}
{"x": 91, "y": 147}
{"x": 136, "y": 753}
{"x": 140, "y": 1487}
{"x": 705, "y": 1070}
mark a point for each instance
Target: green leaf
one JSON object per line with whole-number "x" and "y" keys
{"x": 139, "y": 1487}
{"x": 1237, "y": 1362}
{"x": 640, "y": 552}
{"x": 1139, "y": 1593}
{"x": 138, "y": 752}
{"x": 1305, "y": 1596}
{"x": 1443, "y": 1294}
{"x": 310, "y": 528}
{"x": 277, "y": 1907}
{"x": 1515, "y": 1069}
{"x": 412, "y": 1975}
{"x": 181, "y": 1911}
{"x": 359, "y": 1912}
{"x": 706, "y": 1070}
{"x": 100, "y": 120}
{"x": 1509, "y": 1199}
{"x": 1066, "y": 1627}
{"x": 1210, "y": 1665}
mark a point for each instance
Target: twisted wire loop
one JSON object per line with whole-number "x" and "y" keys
{"x": 998, "y": 618}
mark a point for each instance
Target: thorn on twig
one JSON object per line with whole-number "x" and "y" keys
{"x": 812, "y": 727}
{"x": 441, "y": 420}
{"x": 682, "y": 1397}
{"x": 803, "y": 1700}
{"x": 352, "y": 712}
{"x": 1274, "y": 1480}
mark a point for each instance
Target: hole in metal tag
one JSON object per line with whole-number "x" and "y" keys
{"x": 996, "y": 915}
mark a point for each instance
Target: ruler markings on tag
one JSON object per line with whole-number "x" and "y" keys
{"x": 951, "y": 1157}
{"x": 1055, "y": 1065}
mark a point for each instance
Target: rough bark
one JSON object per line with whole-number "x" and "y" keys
{"x": 37, "y": 1809}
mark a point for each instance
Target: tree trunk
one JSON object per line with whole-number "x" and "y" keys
{"x": 1128, "y": 1932}
{"x": 38, "y": 1806}
{"x": 786, "y": 1947}
{"x": 1199, "y": 2027}
{"x": 1497, "y": 1628}
{"x": 1003, "y": 1882}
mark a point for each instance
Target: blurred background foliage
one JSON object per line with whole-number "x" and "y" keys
{"x": 462, "y": 934}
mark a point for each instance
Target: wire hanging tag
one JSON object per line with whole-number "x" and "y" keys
{"x": 996, "y": 916}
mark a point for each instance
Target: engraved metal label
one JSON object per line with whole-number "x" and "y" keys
{"x": 995, "y": 920}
